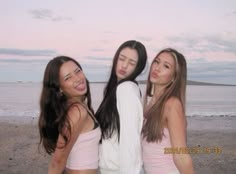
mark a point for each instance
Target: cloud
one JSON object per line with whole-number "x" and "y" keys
{"x": 27, "y": 52}
{"x": 99, "y": 62}
{"x": 217, "y": 43}
{"x": 95, "y": 67}
{"x": 99, "y": 58}
{"x": 23, "y": 61}
{"x": 203, "y": 70}
{"x": 203, "y": 44}
{"x": 41, "y": 14}
{"x": 48, "y": 15}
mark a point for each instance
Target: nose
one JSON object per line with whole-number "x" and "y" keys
{"x": 157, "y": 67}
{"x": 125, "y": 64}
{"x": 76, "y": 76}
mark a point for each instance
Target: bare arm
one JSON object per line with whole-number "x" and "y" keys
{"x": 176, "y": 124}
{"x": 59, "y": 157}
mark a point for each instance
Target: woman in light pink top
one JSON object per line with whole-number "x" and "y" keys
{"x": 165, "y": 123}
{"x": 68, "y": 130}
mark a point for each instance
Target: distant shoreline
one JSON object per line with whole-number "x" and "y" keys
{"x": 189, "y": 82}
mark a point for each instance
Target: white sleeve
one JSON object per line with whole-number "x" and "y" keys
{"x": 131, "y": 118}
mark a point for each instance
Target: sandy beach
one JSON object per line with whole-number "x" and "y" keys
{"x": 213, "y": 136}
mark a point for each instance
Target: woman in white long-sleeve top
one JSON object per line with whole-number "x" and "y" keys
{"x": 121, "y": 114}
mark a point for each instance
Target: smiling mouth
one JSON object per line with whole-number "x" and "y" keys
{"x": 81, "y": 85}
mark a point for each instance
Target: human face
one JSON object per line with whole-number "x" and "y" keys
{"x": 126, "y": 63}
{"x": 162, "y": 69}
{"x": 72, "y": 80}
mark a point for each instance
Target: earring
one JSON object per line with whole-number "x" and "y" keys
{"x": 152, "y": 90}
{"x": 61, "y": 92}
{"x": 169, "y": 84}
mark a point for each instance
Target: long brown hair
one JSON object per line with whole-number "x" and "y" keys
{"x": 154, "y": 122}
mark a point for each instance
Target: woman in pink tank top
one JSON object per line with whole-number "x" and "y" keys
{"x": 68, "y": 130}
{"x": 164, "y": 130}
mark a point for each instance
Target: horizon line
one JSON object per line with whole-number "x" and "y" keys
{"x": 189, "y": 82}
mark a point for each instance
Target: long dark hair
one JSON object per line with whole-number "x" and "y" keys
{"x": 54, "y": 106}
{"x": 107, "y": 113}
{"x": 154, "y": 123}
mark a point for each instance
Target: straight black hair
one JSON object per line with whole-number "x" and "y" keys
{"x": 107, "y": 113}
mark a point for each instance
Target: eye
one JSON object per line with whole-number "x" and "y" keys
{"x": 167, "y": 66}
{"x": 121, "y": 58}
{"x": 156, "y": 61}
{"x": 78, "y": 71}
{"x": 67, "y": 78}
{"x": 132, "y": 63}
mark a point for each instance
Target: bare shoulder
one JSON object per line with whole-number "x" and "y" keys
{"x": 173, "y": 109}
{"x": 173, "y": 103}
{"x": 76, "y": 113}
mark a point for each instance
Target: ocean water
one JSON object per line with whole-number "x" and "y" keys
{"x": 22, "y": 99}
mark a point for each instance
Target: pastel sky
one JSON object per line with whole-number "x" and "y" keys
{"x": 32, "y": 32}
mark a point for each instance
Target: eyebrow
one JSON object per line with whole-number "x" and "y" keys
{"x": 67, "y": 75}
{"x": 157, "y": 58}
{"x": 168, "y": 63}
{"x": 132, "y": 60}
{"x": 78, "y": 68}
